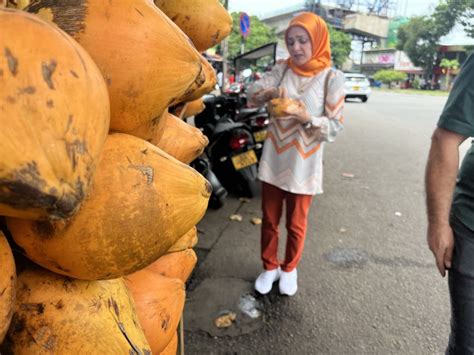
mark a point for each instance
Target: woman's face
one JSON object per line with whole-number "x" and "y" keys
{"x": 299, "y": 45}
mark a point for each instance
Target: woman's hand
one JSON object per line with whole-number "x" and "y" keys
{"x": 266, "y": 95}
{"x": 297, "y": 112}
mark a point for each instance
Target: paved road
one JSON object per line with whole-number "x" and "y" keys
{"x": 368, "y": 283}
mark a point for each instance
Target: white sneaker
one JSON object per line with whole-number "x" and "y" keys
{"x": 265, "y": 281}
{"x": 288, "y": 283}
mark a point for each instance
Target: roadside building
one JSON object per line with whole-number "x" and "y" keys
{"x": 374, "y": 60}
{"x": 455, "y": 45}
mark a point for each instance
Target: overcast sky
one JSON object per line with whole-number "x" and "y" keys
{"x": 259, "y": 7}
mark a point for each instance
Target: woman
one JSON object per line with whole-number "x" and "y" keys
{"x": 291, "y": 166}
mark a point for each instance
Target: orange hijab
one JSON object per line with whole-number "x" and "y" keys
{"x": 319, "y": 35}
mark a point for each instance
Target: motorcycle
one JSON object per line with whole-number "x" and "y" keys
{"x": 256, "y": 118}
{"x": 231, "y": 148}
{"x": 202, "y": 165}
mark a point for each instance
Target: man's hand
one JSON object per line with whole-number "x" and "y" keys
{"x": 441, "y": 243}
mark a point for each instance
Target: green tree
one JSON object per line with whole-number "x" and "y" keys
{"x": 419, "y": 38}
{"x": 448, "y": 66}
{"x": 260, "y": 34}
{"x": 389, "y": 76}
{"x": 450, "y": 12}
{"x": 340, "y": 46}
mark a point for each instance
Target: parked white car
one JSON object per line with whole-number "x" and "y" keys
{"x": 357, "y": 86}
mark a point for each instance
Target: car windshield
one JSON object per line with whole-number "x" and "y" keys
{"x": 356, "y": 79}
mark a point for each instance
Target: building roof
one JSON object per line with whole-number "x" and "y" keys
{"x": 457, "y": 37}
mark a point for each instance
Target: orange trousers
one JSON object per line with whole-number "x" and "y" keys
{"x": 297, "y": 207}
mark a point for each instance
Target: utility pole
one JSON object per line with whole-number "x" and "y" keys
{"x": 225, "y": 52}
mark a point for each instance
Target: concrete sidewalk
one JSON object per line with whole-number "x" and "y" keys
{"x": 228, "y": 254}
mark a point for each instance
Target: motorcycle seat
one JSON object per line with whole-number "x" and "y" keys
{"x": 247, "y": 110}
{"x": 226, "y": 126}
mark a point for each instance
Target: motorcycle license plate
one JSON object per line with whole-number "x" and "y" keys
{"x": 245, "y": 159}
{"x": 260, "y": 136}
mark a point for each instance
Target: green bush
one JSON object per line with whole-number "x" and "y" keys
{"x": 416, "y": 84}
{"x": 389, "y": 76}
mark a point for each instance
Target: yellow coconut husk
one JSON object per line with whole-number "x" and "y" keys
{"x": 151, "y": 131}
{"x": 206, "y": 22}
{"x": 142, "y": 201}
{"x": 7, "y": 285}
{"x": 178, "y": 265}
{"x": 188, "y": 240}
{"x": 146, "y": 59}
{"x": 58, "y": 315}
{"x": 181, "y": 140}
{"x": 18, "y": 4}
{"x": 172, "y": 347}
{"x": 277, "y": 107}
{"x": 190, "y": 108}
{"x": 159, "y": 301}
{"x": 193, "y": 88}
{"x": 178, "y": 110}
{"x": 209, "y": 83}
{"x": 54, "y": 118}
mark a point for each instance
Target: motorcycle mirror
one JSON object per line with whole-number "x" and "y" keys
{"x": 247, "y": 73}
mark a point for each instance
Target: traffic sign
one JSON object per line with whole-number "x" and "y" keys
{"x": 244, "y": 24}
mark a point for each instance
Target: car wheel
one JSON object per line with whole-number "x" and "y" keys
{"x": 364, "y": 98}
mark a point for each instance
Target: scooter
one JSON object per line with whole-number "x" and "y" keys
{"x": 231, "y": 148}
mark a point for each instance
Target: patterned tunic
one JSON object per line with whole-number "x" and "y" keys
{"x": 292, "y": 157}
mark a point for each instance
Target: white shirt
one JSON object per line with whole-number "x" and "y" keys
{"x": 292, "y": 157}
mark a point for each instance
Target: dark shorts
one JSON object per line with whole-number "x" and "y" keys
{"x": 461, "y": 290}
{"x": 463, "y": 255}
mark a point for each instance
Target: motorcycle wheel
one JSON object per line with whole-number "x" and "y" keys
{"x": 216, "y": 202}
{"x": 250, "y": 188}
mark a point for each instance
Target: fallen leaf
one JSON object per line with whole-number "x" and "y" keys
{"x": 236, "y": 217}
{"x": 256, "y": 221}
{"x": 225, "y": 321}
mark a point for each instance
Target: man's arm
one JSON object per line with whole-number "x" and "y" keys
{"x": 440, "y": 180}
